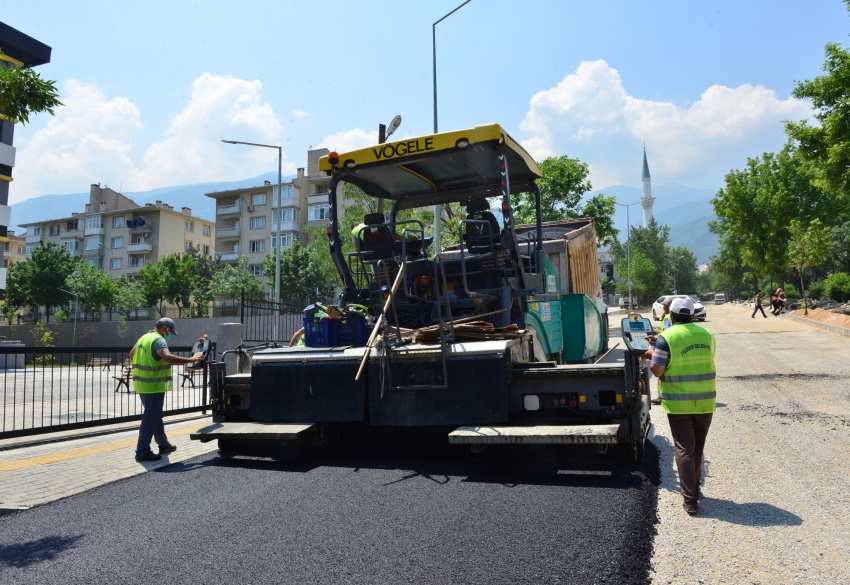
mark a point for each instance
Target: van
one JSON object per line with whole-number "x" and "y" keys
{"x": 719, "y": 299}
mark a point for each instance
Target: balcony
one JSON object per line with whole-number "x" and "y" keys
{"x": 143, "y": 248}
{"x": 229, "y": 257}
{"x": 226, "y": 210}
{"x": 288, "y": 202}
{"x": 92, "y": 253}
{"x": 74, "y": 253}
{"x": 134, "y": 268}
{"x": 7, "y": 253}
{"x": 95, "y": 230}
{"x": 287, "y": 226}
{"x": 316, "y": 198}
{"x": 139, "y": 225}
{"x": 227, "y": 233}
{"x": 77, "y": 234}
{"x": 32, "y": 238}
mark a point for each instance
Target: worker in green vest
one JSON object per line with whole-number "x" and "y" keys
{"x": 683, "y": 362}
{"x": 151, "y": 380}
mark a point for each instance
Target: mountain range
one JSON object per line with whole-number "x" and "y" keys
{"x": 685, "y": 209}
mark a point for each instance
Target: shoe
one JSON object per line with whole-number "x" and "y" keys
{"x": 167, "y": 450}
{"x": 656, "y": 401}
{"x": 150, "y": 456}
{"x": 691, "y": 508}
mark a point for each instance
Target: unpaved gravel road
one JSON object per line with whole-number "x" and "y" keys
{"x": 776, "y": 500}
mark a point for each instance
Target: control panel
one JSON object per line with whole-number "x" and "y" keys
{"x": 202, "y": 346}
{"x": 635, "y": 329}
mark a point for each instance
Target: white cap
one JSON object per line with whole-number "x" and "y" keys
{"x": 682, "y": 306}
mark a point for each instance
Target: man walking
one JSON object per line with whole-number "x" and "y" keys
{"x": 151, "y": 380}
{"x": 683, "y": 362}
{"x": 758, "y": 306}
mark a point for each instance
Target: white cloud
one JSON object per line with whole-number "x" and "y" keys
{"x": 299, "y": 114}
{"x": 589, "y": 114}
{"x": 349, "y": 140}
{"x": 91, "y": 138}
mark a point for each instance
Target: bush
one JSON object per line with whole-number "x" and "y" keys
{"x": 817, "y": 289}
{"x": 791, "y": 292}
{"x": 837, "y": 287}
{"x": 745, "y": 294}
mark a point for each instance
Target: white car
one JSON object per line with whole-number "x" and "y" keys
{"x": 658, "y": 308}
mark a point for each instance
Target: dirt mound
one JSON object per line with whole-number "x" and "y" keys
{"x": 822, "y": 316}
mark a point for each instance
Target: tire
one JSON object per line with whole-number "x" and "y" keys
{"x": 654, "y": 316}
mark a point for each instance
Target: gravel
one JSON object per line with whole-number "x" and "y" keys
{"x": 775, "y": 497}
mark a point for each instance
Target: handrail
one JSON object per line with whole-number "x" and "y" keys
{"x": 468, "y": 292}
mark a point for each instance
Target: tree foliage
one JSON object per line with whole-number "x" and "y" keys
{"x": 231, "y": 280}
{"x": 154, "y": 285}
{"x": 94, "y": 288}
{"x": 36, "y": 282}
{"x": 642, "y": 272}
{"x": 301, "y": 279}
{"x": 808, "y": 245}
{"x": 683, "y": 270}
{"x": 24, "y": 92}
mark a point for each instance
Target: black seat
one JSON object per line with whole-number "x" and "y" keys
{"x": 478, "y": 236}
{"x": 376, "y": 239}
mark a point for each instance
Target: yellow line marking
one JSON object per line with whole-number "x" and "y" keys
{"x": 28, "y": 462}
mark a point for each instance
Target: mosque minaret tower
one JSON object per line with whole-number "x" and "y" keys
{"x": 646, "y": 198}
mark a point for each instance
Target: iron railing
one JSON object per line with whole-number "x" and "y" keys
{"x": 45, "y": 389}
{"x": 258, "y": 320}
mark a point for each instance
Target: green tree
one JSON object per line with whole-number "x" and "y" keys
{"x": 727, "y": 271}
{"x": 808, "y": 246}
{"x": 837, "y": 287}
{"x": 205, "y": 268}
{"x": 93, "y": 287}
{"x": 301, "y": 279}
{"x": 128, "y": 296}
{"x": 601, "y": 209}
{"x": 24, "y": 92}
{"x": 177, "y": 276}
{"x": 17, "y": 290}
{"x": 683, "y": 270}
{"x": 154, "y": 285}
{"x": 41, "y": 277}
{"x": 652, "y": 242}
{"x": 231, "y": 280}
{"x": 643, "y": 272}
{"x": 839, "y": 257}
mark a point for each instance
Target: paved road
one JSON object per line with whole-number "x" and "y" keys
{"x": 395, "y": 516}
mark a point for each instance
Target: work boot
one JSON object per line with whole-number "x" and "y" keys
{"x": 691, "y": 508}
{"x": 149, "y": 456}
{"x": 656, "y": 401}
{"x": 168, "y": 449}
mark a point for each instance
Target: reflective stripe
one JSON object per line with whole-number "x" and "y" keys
{"x": 694, "y": 396}
{"x": 151, "y": 368}
{"x": 695, "y": 378}
{"x": 151, "y": 380}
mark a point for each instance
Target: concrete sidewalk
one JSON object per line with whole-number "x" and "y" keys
{"x": 48, "y": 469}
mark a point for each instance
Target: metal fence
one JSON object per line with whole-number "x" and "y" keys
{"x": 46, "y": 389}
{"x": 258, "y": 320}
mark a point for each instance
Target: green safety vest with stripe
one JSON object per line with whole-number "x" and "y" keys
{"x": 688, "y": 384}
{"x": 665, "y": 323}
{"x": 150, "y": 376}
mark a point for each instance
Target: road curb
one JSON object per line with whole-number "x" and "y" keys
{"x": 834, "y": 328}
{"x": 12, "y": 509}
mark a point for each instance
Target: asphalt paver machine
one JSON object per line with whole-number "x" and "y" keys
{"x": 489, "y": 341}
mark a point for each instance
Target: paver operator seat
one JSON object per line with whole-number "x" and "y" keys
{"x": 479, "y": 236}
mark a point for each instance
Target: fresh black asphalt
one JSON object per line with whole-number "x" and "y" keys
{"x": 418, "y": 516}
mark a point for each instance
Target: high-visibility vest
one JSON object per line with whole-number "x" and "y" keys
{"x": 150, "y": 376}
{"x": 665, "y": 323}
{"x": 688, "y": 384}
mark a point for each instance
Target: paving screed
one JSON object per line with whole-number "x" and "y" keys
{"x": 434, "y": 516}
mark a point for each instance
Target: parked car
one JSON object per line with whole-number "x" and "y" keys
{"x": 658, "y": 307}
{"x": 719, "y": 299}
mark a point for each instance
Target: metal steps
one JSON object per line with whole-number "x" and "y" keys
{"x": 250, "y": 430}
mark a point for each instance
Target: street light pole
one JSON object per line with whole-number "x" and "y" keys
{"x": 76, "y": 310}
{"x": 434, "y": 47}
{"x": 628, "y": 248}
{"x": 277, "y": 229}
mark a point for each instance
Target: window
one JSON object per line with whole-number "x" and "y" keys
{"x": 71, "y": 226}
{"x": 285, "y": 239}
{"x": 36, "y": 230}
{"x": 256, "y": 269}
{"x": 258, "y": 199}
{"x": 117, "y": 222}
{"x": 190, "y": 226}
{"x": 318, "y": 212}
{"x": 206, "y": 250}
{"x": 31, "y": 249}
{"x": 136, "y": 262}
{"x": 206, "y": 230}
{"x": 115, "y": 264}
{"x": 188, "y": 245}
{"x": 285, "y": 194}
{"x": 54, "y": 230}
{"x": 94, "y": 262}
{"x": 70, "y": 244}
{"x": 289, "y": 214}
{"x": 258, "y": 246}
{"x": 117, "y": 243}
{"x": 94, "y": 222}
{"x": 258, "y": 222}
{"x": 93, "y": 242}
{"x": 22, "y": 249}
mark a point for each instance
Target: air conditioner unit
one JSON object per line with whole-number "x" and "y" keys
{"x": 250, "y": 208}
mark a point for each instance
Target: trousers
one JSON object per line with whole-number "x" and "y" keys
{"x": 759, "y": 308}
{"x": 151, "y": 427}
{"x": 689, "y": 433}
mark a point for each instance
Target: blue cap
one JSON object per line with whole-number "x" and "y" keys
{"x": 167, "y": 322}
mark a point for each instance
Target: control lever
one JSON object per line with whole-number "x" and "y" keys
{"x": 202, "y": 346}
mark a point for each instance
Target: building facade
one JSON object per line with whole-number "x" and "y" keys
{"x": 19, "y": 50}
{"x": 119, "y": 236}
{"x": 246, "y": 219}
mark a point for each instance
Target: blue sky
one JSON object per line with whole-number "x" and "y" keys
{"x": 151, "y": 87}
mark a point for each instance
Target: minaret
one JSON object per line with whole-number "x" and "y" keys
{"x": 647, "y": 198}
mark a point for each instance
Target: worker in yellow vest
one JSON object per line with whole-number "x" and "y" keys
{"x": 683, "y": 362}
{"x": 151, "y": 380}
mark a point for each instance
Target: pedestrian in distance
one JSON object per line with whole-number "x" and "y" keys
{"x": 152, "y": 363}
{"x": 683, "y": 362}
{"x": 780, "y": 301}
{"x": 758, "y": 306}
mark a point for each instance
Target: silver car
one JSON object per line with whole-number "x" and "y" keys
{"x": 658, "y": 307}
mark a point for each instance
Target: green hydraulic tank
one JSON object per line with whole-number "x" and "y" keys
{"x": 582, "y": 328}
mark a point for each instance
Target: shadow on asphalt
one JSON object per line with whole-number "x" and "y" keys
{"x": 747, "y": 514}
{"x": 22, "y": 555}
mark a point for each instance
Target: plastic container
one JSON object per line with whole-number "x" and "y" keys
{"x": 351, "y": 331}
{"x": 318, "y": 331}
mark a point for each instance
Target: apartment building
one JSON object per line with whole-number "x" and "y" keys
{"x": 119, "y": 236}
{"x": 15, "y": 250}
{"x": 246, "y": 219}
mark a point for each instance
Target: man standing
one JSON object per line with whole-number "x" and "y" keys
{"x": 758, "y": 306}
{"x": 683, "y": 362}
{"x": 151, "y": 380}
